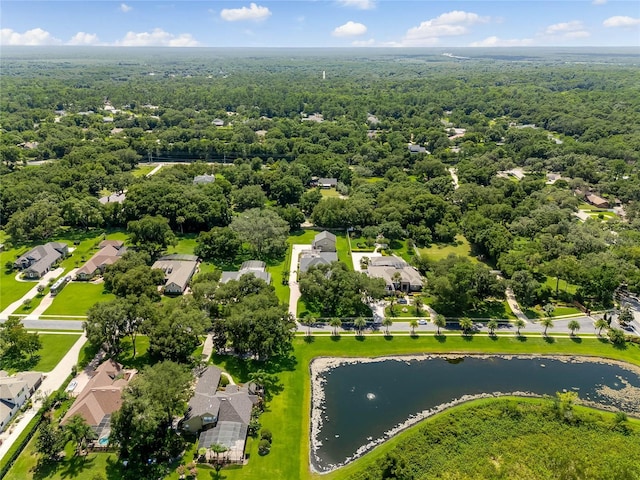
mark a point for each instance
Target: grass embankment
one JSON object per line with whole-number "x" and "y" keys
{"x": 288, "y": 414}
{"x": 54, "y": 347}
{"x": 508, "y": 438}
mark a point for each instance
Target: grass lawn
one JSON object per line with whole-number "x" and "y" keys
{"x": 438, "y": 251}
{"x": 186, "y": 244}
{"x": 401, "y": 248}
{"x": 11, "y": 289}
{"x": 77, "y": 297}
{"x": 142, "y": 170}
{"x": 560, "y": 310}
{"x": 362, "y": 241}
{"x": 54, "y": 347}
{"x": 491, "y": 309}
{"x": 278, "y": 271}
{"x": 342, "y": 247}
{"x": 329, "y": 193}
{"x": 399, "y": 313}
{"x": 563, "y": 285}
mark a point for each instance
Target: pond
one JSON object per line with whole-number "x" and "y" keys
{"x": 359, "y": 403}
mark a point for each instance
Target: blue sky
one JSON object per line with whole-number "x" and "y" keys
{"x": 321, "y": 23}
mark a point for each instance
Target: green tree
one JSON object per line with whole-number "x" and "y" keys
{"x": 387, "y": 323}
{"x": 413, "y": 323}
{"x": 524, "y": 287}
{"x": 251, "y": 196}
{"x": 492, "y": 325}
{"x": 520, "y": 323}
{"x": 17, "y": 341}
{"x": 440, "y": 321}
{"x": 546, "y": 322}
{"x": 309, "y": 200}
{"x": 548, "y": 309}
{"x": 49, "y": 441}
{"x": 219, "y": 243}
{"x": 79, "y": 431}
{"x": 360, "y": 323}
{"x": 151, "y": 234}
{"x": 335, "y": 323}
{"x": 263, "y": 230}
{"x": 106, "y": 325}
{"x": 574, "y": 326}
{"x": 418, "y": 303}
{"x": 625, "y": 317}
{"x": 600, "y": 324}
{"x": 466, "y": 324}
{"x": 616, "y": 336}
{"x": 287, "y": 190}
{"x": 38, "y": 221}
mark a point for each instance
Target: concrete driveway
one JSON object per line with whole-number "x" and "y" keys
{"x": 31, "y": 293}
{"x": 294, "y": 288}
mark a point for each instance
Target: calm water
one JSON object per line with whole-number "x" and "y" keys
{"x": 364, "y": 400}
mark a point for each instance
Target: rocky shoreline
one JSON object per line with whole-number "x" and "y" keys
{"x": 629, "y": 396}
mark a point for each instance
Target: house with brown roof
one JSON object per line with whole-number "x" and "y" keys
{"x": 596, "y": 201}
{"x": 109, "y": 253}
{"x": 101, "y": 397}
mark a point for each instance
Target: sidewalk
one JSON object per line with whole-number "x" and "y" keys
{"x": 52, "y": 382}
{"x": 31, "y": 293}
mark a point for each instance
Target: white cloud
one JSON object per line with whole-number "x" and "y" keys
{"x": 157, "y": 38}
{"x": 350, "y": 29}
{"x": 446, "y": 25}
{"x": 494, "y": 41}
{"x": 567, "y": 30}
{"x": 252, "y": 12}
{"x": 35, "y": 36}
{"x": 125, "y": 8}
{"x": 359, "y": 4}
{"x": 621, "y": 21}
{"x": 82, "y": 38}
{"x": 599, "y": 2}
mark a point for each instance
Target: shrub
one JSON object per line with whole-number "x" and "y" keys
{"x": 224, "y": 381}
{"x": 264, "y": 447}
{"x": 266, "y": 434}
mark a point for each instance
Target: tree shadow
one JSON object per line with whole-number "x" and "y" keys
{"x": 620, "y": 346}
{"x": 521, "y": 338}
{"x": 336, "y": 338}
{"x": 388, "y": 338}
{"x": 467, "y": 337}
{"x": 76, "y": 465}
{"x": 359, "y": 338}
{"x": 549, "y": 340}
{"x": 493, "y": 337}
{"x": 440, "y": 338}
{"x": 575, "y": 339}
{"x": 309, "y": 339}
{"x": 19, "y": 363}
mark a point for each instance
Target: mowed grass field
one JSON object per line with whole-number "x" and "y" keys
{"x": 438, "y": 251}
{"x": 77, "y": 297}
{"x": 54, "y": 347}
{"x": 10, "y": 288}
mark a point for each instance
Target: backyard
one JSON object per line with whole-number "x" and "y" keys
{"x": 438, "y": 251}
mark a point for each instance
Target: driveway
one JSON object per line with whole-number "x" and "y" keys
{"x": 46, "y": 301}
{"x": 52, "y": 382}
{"x": 294, "y": 288}
{"x": 357, "y": 256}
{"x": 31, "y": 293}
{"x": 513, "y": 304}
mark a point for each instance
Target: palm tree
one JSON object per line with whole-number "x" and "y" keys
{"x": 218, "y": 448}
{"x": 440, "y": 321}
{"x": 574, "y": 325}
{"x": 360, "y": 323}
{"x": 413, "y": 323}
{"x": 546, "y": 322}
{"x": 492, "y": 325}
{"x": 387, "y": 322}
{"x": 600, "y": 324}
{"x": 465, "y": 324}
{"x": 418, "y": 304}
{"x": 520, "y": 323}
{"x": 78, "y": 430}
{"x": 307, "y": 322}
{"x": 336, "y": 323}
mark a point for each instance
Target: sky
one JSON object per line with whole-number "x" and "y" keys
{"x": 321, "y": 23}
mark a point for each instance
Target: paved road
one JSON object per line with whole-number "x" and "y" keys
{"x": 513, "y": 304}
{"x": 52, "y": 382}
{"x": 51, "y": 324}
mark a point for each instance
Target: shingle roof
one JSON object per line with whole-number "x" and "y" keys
{"x": 310, "y": 259}
{"x": 324, "y": 235}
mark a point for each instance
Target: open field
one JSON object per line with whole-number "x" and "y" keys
{"x": 77, "y": 297}
{"x": 438, "y": 251}
{"x": 186, "y": 244}
{"x": 142, "y": 170}
{"x": 329, "y": 193}
{"x": 54, "y": 347}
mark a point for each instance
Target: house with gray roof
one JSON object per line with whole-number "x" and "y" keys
{"x": 256, "y": 268}
{"x": 397, "y": 274}
{"x": 39, "y": 260}
{"x": 324, "y": 242}
{"x": 221, "y": 416}
{"x": 312, "y": 258}
{"x": 178, "y": 270}
{"x": 15, "y": 390}
{"x": 203, "y": 179}
{"x": 327, "y": 182}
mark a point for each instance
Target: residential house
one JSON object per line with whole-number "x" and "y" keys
{"x": 203, "y": 179}
{"x": 221, "y": 417}
{"x": 596, "y": 201}
{"x": 113, "y": 198}
{"x": 101, "y": 397}
{"x": 218, "y": 122}
{"x": 15, "y": 390}
{"x": 109, "y": 253}
{"x": 252, "y": 267}
{"x": 327, "y": 182}
{"x": 39, "y": 260}
{"x": 413, "y": 149}
{"x": 311, "y": 258}
{"x": 178, "y": 270}
{"x": 397, "y": 274}
{"x": 324, "y": 242}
